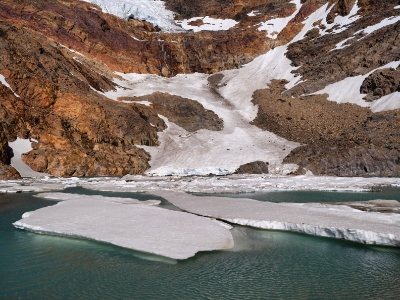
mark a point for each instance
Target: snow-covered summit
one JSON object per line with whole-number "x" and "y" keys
{"x": 148, "y": 10}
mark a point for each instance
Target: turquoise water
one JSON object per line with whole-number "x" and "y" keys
{"x": 388, "y": 193}
{"x": 264, "y": 265}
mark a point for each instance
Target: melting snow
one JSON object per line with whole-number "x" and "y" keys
{"x": 210, "y": 24}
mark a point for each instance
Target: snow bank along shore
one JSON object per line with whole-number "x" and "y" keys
{"x": 200, "y": 184}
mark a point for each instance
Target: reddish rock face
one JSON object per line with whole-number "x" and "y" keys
{"x": 61, "y": 103}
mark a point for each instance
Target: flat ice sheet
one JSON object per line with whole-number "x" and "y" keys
{"x": 69, "y": 197}
{"x": 145, "y": 228}
{"x": 325, "y": 220}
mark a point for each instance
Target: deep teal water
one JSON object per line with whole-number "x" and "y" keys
{"x": 264, "y": 265}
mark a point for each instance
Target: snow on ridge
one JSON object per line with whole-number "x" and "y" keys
{"x": 348, "y": 91}
{"x": 151, "y": 11}
{"x": 344, "y": 22}
{"x": 210, "y": 24}
{"x": 275, "y": 26}
{"x": 4, "y": 82}
{"x": 381, "y": 24}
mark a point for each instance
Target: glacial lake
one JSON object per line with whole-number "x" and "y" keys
{"x": 263, "y": 264}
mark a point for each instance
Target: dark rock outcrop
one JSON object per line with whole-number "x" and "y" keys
{"x": 186, "y": 113}
{"x": 380, "y": 83}
{"x": 255, "y": 167}
{"x": 6, "y": 171}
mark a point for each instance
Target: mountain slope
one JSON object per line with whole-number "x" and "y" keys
{"x": 86, "y": 85}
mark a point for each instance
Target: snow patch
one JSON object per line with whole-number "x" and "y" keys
{"x": 348, "y": 91}
{"x": 254, "y": 76}
{"x": 253, "y": 13}
{"x": 275, "y": 26}
{"x": 383, "y": 23}
{"x": 4, "y": 82}
{"x": 19, "y": 147}
{"x": 147, "y": 10}
{"x": 210, "y": 24}
{"x": 146, "y": 103}
{"x": 340, "y": 23}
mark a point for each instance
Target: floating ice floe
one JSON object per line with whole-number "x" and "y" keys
{"x": 209, "y": 24}
{"x": 325, "y": 220}
{"x": 69, "y": 197}
{"x": 140, "y": 227}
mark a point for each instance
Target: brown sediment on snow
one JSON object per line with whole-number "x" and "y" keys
{"x": 341, "y": 139}
{"x": 186, "y": 113}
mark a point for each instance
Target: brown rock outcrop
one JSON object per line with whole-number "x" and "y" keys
{"x": 305, "y": 119}
{"x": 341, "y": 139}
{"x": 255, "y": 167}
{"x": 186, "y": 113}
{"x": 341, "y": 8}
{"x": 80, "y": 132}
{"x": 319, "y": 66}
{"x": 380, "y": 83}
{"x": 6, "y": 171}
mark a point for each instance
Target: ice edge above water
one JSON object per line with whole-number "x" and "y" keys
{"x": 354, "y": 235}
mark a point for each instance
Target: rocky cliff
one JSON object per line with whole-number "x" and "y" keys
{"x": 63, "y": 66}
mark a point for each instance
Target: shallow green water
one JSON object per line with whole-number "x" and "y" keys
{"x": 264, "y": 265}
